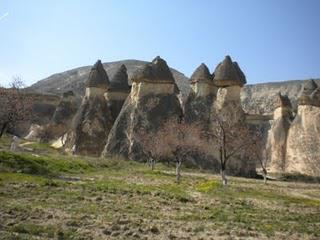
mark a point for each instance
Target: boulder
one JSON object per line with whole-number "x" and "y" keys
{"x": 152, "y": 101}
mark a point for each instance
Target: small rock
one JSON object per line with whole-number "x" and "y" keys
{"x": 107, "y": 232}
{"x": 99, "y": 199}
{"x": 136, "y": 235}
{"x": 115, "y": 228}
{"x": 115, "y": 234}
{"x": 171, "y": 236}
{"x": 154, "y": 230}
{"x": 123, "y": 221}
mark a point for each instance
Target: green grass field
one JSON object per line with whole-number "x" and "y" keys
{"x": 53, "y": 196}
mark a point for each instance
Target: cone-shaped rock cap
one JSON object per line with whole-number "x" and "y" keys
{"x": 309, "y": 86}
{"x": 228, "y": 73}
{"x": 310, "y": 94}
{"x": 120, "y": 79}
{"x": 98, "y": 77}
{"x": 156, "y": 71}
{"x": 283, "y": 101}
{"x": 201, "y": 74}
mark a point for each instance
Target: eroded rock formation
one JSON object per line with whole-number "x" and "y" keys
{"x": 152, "y": 101}
{"x": 118, "y": 91}
{"x": 277, "y": 135}
{"x": 202, "y": 95}
{"x": 303, "y": 152}
{"x": 93, "y": 119}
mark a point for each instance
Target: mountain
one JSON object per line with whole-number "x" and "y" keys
{"x": 256, "y": 98}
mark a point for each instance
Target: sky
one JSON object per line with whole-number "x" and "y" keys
{"x": 272, "y": 40}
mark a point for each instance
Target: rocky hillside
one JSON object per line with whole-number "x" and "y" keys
{"x": 256, "y": 99}
{"x": 260, "y": 98}
{"x": 74, "y": 79}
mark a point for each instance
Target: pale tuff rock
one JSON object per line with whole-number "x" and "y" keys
{"x": 93, "y": 119}
{"x": 34, "y": 133}
{"x": 152, "y": 101}
{"x": 303, "y": 152}
{"x": 293, "y": 144}
{"x": 277, "y": 135}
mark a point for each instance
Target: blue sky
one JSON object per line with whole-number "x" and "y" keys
{"x": 271, "y": 39}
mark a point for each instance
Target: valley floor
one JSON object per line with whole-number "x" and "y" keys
{"x": 46, "y": 195}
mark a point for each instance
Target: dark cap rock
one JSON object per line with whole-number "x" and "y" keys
{"x": 98, "y": 77}
{"x": 156, "y": 71}
{"x": 310, "y": 94}
{"x": 228, "y": 73}
{"x": 201, "y": 74}
{"x": 282, "y": 101}
{"x": 120, "y": 79}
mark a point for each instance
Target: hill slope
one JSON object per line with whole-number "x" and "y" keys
{"x": 45, "y": 195}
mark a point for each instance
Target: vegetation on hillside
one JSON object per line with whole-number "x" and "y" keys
{"x": 51, "y": 196}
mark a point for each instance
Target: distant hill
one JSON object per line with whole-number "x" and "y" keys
{"x": 74, "y": 79}
{"x": 256, "y": 98}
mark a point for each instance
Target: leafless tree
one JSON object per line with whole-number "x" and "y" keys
{"x": 174, "y": 140}
{"x": 15, "y": 106}
{"x": 229, "y": 137}
{"x": 257, "y": 149}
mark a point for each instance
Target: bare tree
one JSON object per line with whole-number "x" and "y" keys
{"x": 258, "y": 150}
{"x": 174, "y": 140}
{"x": 15, "y": 106}
{"x": 229, "y": 137}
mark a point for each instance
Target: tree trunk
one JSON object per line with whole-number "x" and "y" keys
{"x": 3, "y": 129}
{"x": 153, "y": 163}
{"x": 223, "y": 166}
{"x": 223, "y": 177}
{"x": 178, "y": 170}
{"x": 264, "y": 176}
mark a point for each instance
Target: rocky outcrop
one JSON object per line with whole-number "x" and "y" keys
{"x": 303, "y": 152}
{"x": 216, "y": 96}
{"x": 230, "y": 79}
{"x": 201, "y": 98}
{"x": 118, "y": 91}
{"x": 277, "y": 135}
{"x": 152, "y": 101}
{"x": 66, "y": 109}
{"x": 93, "y": 119}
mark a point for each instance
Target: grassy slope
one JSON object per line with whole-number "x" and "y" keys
{"x": 117, "y": 199}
